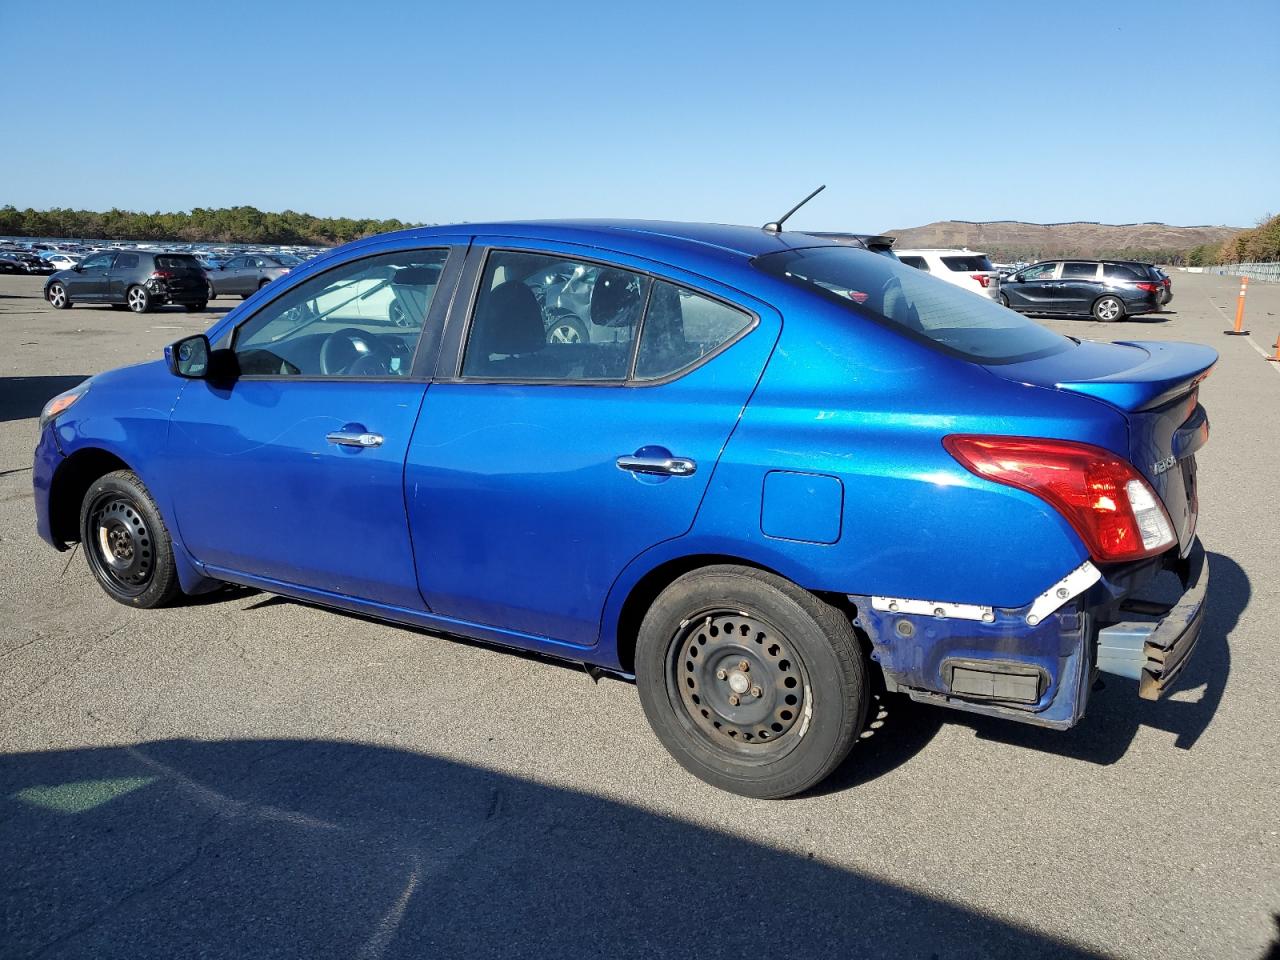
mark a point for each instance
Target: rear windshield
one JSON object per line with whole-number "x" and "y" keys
{"x": 916, "y": 304}
{"x": 284, "y": 259}
{"x": 969, "y": 264}
{"x": 177, "y": 261}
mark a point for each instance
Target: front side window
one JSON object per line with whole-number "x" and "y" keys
{"x": 919, "y": 306}
{"x": 1041, "y": 271}
{"x": 362, "y": 319}
{"x": 1079, "y": 271}
{"x": 99, "y": 262}
{"x": 544, "y": 317}
{"x": 680, "y": 328}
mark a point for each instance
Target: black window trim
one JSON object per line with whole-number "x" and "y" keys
{"x": 419, "y": 365}
{"x": 479, "y": 260}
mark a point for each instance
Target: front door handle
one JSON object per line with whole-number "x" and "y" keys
{"x": 345, "y": 438}
{"x": 661, "y": 466}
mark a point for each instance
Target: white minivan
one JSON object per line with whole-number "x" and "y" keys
{"x": 964, "y": 268}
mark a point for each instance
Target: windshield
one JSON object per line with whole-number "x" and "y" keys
{"x": 916, "y": 304}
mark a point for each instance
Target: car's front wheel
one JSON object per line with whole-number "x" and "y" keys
{"x": 126, "y": 542}
{"x": 57, "y": 296}
{"x": 1108, "y": 309}
{"x": 138, "y": 299}
{"x": 1004, "y": 300}
{"x": 753, "y": 684}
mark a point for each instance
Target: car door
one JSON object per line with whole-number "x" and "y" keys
{"x": 89, "y": 283}
{"x": 224, "y": 278}
{"x": 293, "y": 471}
{"x": 539, "y": 469}
{"x": 1078, "y": 286}
{"x": 124, "y": 271}
{"x": 1033, "y": 289}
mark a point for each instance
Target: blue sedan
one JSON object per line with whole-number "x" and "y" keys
{"x": 768, "y": 473}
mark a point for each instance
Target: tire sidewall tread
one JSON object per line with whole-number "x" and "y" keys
{"x": 164, "y": 588}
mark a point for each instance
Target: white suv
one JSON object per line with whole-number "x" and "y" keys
{"x": 964, "y": 268}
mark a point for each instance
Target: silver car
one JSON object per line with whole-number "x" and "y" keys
{"x": 246, "y": 274}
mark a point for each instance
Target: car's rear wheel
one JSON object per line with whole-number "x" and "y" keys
{"x": 213, "y": 294}
{"x": 57, "y": 297}
{"x": 262, "y": 283}
{"x": 753, "y": 684}
{"x": 126, "y": 542}
{"x": 1108, "y": 309}
{"x": 138, "y": 299}
{"x": 1004, "y": 300}
{"x": 567, "y": 329}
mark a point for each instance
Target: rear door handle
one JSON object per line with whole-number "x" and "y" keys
{"x": 344, "y": 438}
{"x": 662, "y": 466}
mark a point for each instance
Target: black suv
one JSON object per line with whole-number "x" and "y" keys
{"x": 1106, "y": 289}
{"x": 138, "y": 279}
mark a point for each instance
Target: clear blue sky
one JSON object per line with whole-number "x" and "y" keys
{"x": 438, "y": 112}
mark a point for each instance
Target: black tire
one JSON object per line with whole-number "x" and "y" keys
{"x": 1004, "y": 301}
{"x": 58, "y": 297}
{"x": 213, "y": 294}
{"x": 126, "y": 542}
{"x": 1108, "y": 309}
{"x": 798, "y": 714}
{"x": 262, "y": 283}
{"x": 567, "y": 328}
{"x": 196, "y": 307}
{"x": 138, "y": 299}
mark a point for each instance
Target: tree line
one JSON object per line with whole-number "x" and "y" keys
{"x": 201, "y": 225}
{"x": 1261, "y": 244}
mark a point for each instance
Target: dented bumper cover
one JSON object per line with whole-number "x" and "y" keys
{"x": 1036, "y": 663}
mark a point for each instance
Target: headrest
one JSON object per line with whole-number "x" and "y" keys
{"x": 509, "y": 321}
{"x": 615, "y": 299}
{"x": 416, "y": 276}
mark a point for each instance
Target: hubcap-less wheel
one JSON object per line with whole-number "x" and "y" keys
{"x": 741, "y": 685}
{"x": 138, "y": 300}
{"x": 121, "y": 547}
{"x": 57, "y": 296}
{"x": 1108, "y": 308}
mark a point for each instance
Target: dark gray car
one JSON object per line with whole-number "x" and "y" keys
{"x": 139, "y": 280}
{"x": 1107, "y": 290}
{"x": 246, "y": 274}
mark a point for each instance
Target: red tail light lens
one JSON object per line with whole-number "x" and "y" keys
{"x": 1148, "y": 287}
{"x": 982, "y": 278}
{"x": 1102, "y": 496}
{"x": 162, "y": 275}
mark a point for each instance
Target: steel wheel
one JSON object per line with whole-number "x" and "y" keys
{"x": 138, "y": 300}
{"x": 1108, "y": 309}
{"x": 57, "y": 296}
{"x": 742, "y": 686}
{"x": 121, "y": 547}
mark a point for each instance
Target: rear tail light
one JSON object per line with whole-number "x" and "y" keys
{"x": 1102, "y": 496}
{"x": 162, "y": 275}
{"x": 1168, "y": 281}
{"x": 982, "y": 278}
{"x": 1148, "y": 287}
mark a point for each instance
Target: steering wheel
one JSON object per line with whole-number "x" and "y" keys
{"x": 344, "y": 348}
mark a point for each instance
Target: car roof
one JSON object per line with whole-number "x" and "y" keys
{"x": 649, "y": 238}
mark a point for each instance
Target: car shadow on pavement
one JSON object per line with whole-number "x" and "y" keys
{"x": 313, "y": 849}
{"x": 22, "y": 398}
{"x": 1116, "y": 713}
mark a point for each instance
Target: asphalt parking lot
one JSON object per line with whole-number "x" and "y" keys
{"x": 249, "y": 777}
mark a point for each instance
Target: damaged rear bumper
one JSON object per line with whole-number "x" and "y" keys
{"x": 1037, "y": 663}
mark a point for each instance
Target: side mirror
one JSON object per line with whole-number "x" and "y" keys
{"x": 77, "y": 268}
{"x": 189, "y": 357}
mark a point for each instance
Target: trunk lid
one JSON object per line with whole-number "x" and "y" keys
{"x": 1156, "y": 387}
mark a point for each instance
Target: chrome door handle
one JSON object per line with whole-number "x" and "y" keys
{"x": 345, "y": 439}
{"x": 663, "y": 466}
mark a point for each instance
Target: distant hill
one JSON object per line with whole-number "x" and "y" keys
{"x": 1016, "y": 240}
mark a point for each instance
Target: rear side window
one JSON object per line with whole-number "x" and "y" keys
{"x": 126, "y": 260}
{"x": 1079, "y": 271}
{"x": 1120, "y": 271}
{"x": 681, "y": 327}
{"x": 971, "y": 264}
{"x": 917, "y": 262}
{"x": 172, "y": 261}
{"x": 922, "y": 307}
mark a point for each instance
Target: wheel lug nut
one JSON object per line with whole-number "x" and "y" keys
{"x": 733, "y": 699}
{"x": 744, "y": 666}
{"x": 721, "y": 675}
{"x": 757, "y": 692}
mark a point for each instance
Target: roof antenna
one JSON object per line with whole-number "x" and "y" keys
{"x": 776, "y": 225}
